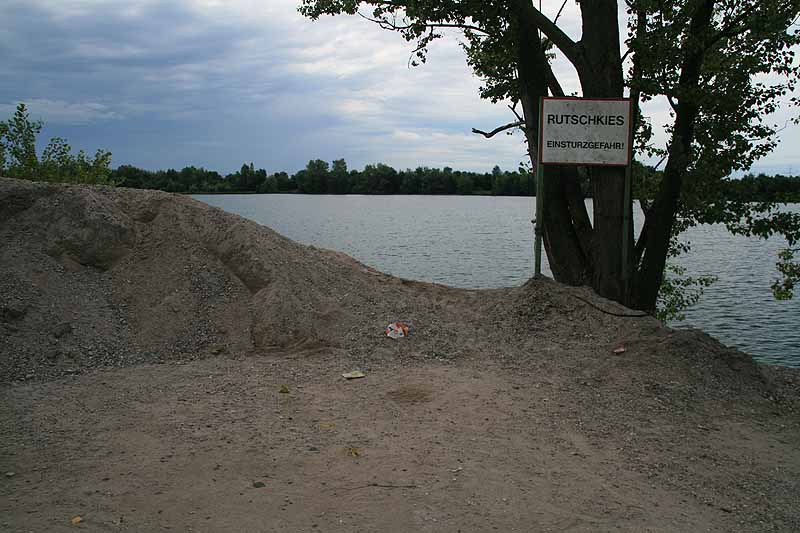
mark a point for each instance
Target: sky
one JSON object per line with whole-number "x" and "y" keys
{"x": 216, "y": 83}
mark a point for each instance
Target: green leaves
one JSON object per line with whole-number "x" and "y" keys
{"x": 789, "y": 269}
{"x": 679, "y": 292}
{"x": 18, "y": 145}
{"x": 18, "y": 157}
{"x": 748, "y": 66}
{"x": 59, "y": 164}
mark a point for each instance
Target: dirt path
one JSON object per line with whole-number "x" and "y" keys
{"x": 458, "y": 447}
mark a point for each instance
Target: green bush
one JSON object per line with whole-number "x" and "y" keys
{"x": 18, "y": 157}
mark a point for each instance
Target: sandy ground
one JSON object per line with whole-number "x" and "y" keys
{"x": 148, "y": 342}
{"x": 215, "y": 446}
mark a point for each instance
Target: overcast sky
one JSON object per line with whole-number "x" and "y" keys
{"x": 218, "y": 83}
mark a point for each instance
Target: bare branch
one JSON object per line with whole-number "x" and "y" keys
{"x": 552, "y": 82}
{"x": 559, "y": 11}
{"x": 495, "y": 131}
{"x": 513, "y": 109}
{"x": 641, "y": 243}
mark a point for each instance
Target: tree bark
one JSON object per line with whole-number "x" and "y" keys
{"x": 601, "y": 77}
{"x": 567, "y": 231}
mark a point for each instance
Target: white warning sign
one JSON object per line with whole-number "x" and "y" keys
{"x": 582, "y": 131}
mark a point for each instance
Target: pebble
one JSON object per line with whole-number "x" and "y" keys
{"x": 62, "y": 329}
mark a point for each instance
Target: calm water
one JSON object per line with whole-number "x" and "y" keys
{"x": 483, "y": 241}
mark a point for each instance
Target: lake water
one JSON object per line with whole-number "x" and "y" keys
{"x": 485, "y": 241}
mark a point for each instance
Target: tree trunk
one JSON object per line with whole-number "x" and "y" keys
{"x": 601, "y": 77}
{"x": 658, "y": 225}
{"x": 566, "y": 230}
{"x": 577, "y": 251}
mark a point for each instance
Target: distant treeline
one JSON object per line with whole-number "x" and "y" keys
{"x": 319, "y": 177}
{"x": 764, "y": 188}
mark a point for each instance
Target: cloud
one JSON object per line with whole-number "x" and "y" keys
{"x": 258, "y": 76}
{"x": 215, "y": 83}
{"x": 61, "y": 112}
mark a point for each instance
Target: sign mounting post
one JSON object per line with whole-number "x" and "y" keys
{"x": 538, "y": 225}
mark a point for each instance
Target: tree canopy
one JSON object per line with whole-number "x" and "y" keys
{"x": 320, "y": 178}
{"x": 723, "y": 67}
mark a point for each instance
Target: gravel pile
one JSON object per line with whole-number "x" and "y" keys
{"x": 108, "y": 277}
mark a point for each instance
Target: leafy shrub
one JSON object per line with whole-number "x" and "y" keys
{"x": 18, "y": 157}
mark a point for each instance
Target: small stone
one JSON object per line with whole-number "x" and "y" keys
{"x": 258, "y": 485}
{"x": 10, "y": 474}
{"x": 62, "y": 329}
{"x": 12, "y": 312}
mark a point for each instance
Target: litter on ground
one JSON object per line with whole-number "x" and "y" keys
{"x": 401, "y": 328}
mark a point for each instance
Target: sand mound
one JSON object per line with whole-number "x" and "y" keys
{"x": 98, "y": 276}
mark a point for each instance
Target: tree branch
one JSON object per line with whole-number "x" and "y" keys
{"x": 641, "y": 243}
{"x": 564, "y": 43}
{"x": 672, "y": 102}
{"x": 495, "y": 131}
{"x": 385, "y": 24}
{"x": 513, "y": 109}
{"x": 560, "y": 11}
{"x": 552, "y": 82}
{"x": 731, "y": 29}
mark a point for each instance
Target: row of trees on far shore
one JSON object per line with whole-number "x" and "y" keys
{"x": 319, "y": 177}
{"x": 19, "y": 159}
